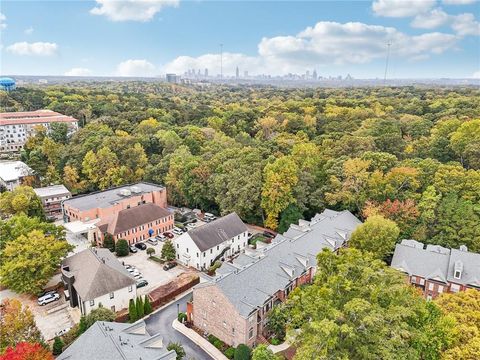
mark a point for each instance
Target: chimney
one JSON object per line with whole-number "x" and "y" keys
{"x": 463, "y": 248}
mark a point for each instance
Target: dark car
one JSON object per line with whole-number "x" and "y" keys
{"x": 132, "y": 249}
{"x": 140, "y": 246}
{"x": 169, "y": 266}
{"x": 168, "y": 235}
{"x": 268, "y": 234}
{"x": 142, "y": 283}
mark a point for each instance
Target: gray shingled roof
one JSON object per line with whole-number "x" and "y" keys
{"x": 218, "y": 231}
{"x": 104, "y": 199}
{"x": 130, "y": 218}
{"x": 97, "y": 272}
{"x": 436, "y": 262}
{"x": 118, "y": 341}
{"x": 249, "y": 284}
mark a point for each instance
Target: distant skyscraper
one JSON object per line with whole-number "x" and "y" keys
{"x": 314, "y": 74}
{"x": 172, "y": 78}
{"x": 237, "y": 73}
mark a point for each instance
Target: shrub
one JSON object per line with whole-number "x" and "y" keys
{"x": 275, "y": 341}
{"x": 139, "y": 305}
{"x": 230, "y": 352}
{"x": 182, "y": 317}
{"x": 218, "y": 344}
{"x": 178, "y": 349}
{"x": 57, "y": 347}
{"x": 132, "y": 311}
{"x": 71, "y": 335}
{"x": 121, "y": 247}
{"x": 242, "y": 352}
{"x": 147, "y": 306}
{"x": 150, "y": 251}
{"x": 109, "y": 242}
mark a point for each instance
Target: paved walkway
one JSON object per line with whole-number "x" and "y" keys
{"x": 278, "y": 348}
{"x": 199, "y": 340}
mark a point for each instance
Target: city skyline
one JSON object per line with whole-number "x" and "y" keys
{"x": 429, "y": 39}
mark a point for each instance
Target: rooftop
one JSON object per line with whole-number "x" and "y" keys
{"x": 49, "y": 191}
{"x": 107, "y": 198}
{"x": 287, "y": 257}
{"x": 118, "y": 341}
{"x": 13, "y": 170}
{"x": 437, "y": 263}
{"x": 217, "y": 231}
{"x": 33, "y": 117}
{"x": 97, "y": 272}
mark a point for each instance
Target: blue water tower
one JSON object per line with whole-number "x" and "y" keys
{"x": 7, "y": 84}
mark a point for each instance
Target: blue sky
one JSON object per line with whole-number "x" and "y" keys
{"x": 429, "y": 38}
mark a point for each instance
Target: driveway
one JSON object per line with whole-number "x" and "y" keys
{"x": 161, "y": 322}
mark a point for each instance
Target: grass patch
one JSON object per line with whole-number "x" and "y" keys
{"x": 258, "y": 237}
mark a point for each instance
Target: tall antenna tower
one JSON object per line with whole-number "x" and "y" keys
{"x": 221, "y": 61}
{"x": 386, "y": 63}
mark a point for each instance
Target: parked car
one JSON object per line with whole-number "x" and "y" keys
{"x": 48, "y": 298}
{"x": 152, "y": 241}
{"x": 177, "y": 231}
{"x": 209, "y": 217}
{"x": 63, "y": 332}
{"x": 132, "y": 249}
{"x": 161, "y": 237}
{"x": 141, "y": 283}
{"x": 141, "y": 246}
{"x": 169, "y": 266}
{"x": 168, "y": 234}
{"x": 191, "y": 225}
{"x": 137, "y": 276}
{"x": 268, "y": 234}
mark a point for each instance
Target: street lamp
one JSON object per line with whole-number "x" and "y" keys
{"x": 178, "y": 309}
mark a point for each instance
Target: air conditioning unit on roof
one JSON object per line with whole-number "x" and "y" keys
{"x": 135, "y": 189}
{"x": 125, "y": 192}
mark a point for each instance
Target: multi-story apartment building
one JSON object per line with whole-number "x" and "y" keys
{"x": 93, "y": 278}
{"x": 132, "y": 212}
{"x": 52, "y": 197}
{"x": 14, "y": 173}
{"x": 17, "y": 127}
{"x": 234, "y": 305}
{"x": 435, "y": 269}
{"x": 202, "y": 246}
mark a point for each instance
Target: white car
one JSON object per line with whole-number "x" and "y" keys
{"x": 62, "y": 332}
{"x": 177, "y": 231}
{"x": 136, "y": 272}
{"x": 137, "y": 276}
{"x": 48, "y": 298}
{"x": 191, "y": 225}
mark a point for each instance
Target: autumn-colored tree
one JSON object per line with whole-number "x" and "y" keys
{"x": 27, "y": 351}
{"x": 21, "y": 200}
{"x": 17, "y": 324}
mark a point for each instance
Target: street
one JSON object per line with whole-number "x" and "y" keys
{"x": 161, "y": 322}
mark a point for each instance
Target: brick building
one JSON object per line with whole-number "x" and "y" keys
{"x": 234, "y": 305}
{"x": 435, "y": 269}
{"x": 52, "y": 197}
{"x": 133, "y": 212}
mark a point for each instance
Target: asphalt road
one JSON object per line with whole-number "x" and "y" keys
{"x": 161, "y": 322}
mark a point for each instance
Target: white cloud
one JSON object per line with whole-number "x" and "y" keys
{"x": 466, "y": 24}
{"x": 401, "y": 8}
{"x": 36, "y": 48}
{"x": 458, "y": 2}
{"x": 135, "y": 10}
{"x": 476, "y": 75}
{"x": 3, "y": 20}
{"x": 326, "y": 43}
{"x": 28, "y": 31}
{"x": 135, "y": 68}
{"x": 78, "y": 72}
{"x": 431, "y": 20}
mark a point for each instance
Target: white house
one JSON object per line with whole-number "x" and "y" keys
{"x": 94, "y": 277}
{"x": 12, "y": 173}
{"x": 202, "y": 246}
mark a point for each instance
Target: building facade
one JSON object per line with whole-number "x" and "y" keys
{"x": 435, "y": 269}
{"x": 218, "y": 240}
{"x": 17, "y": 127}
{"x": 235, "y": 304}
{"x": 94, "y": 278}
{"x": 52, "y": 197}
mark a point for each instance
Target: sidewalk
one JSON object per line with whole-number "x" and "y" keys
{"x": 278, "y": 348}
{"x": 199, "y": 340}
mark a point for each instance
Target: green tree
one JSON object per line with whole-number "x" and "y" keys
{"x": 17, "y": 324}
{"x": 57, "y": 346}
{"x": 29, "y": 261}
{"x": 465, "y": 141}
{"x": 21, "y": 200}
{"x": 262, "y": 352}
{"x": 99, "y": 314}
{"x": 147, "y": 306}
{"x": 277, "y": 193}
{"x": 359, "y": 308}
{"x": 109, "y": 242}
{"x": 277, "y": 321}
{"x": 132, "y": 311}
{"x": 58, "y": 133}
{"x": 179, "y": 350}
{"x": 168, "y": 251}
{"x": 289, "y": 216}
{"x": 121, "y": 247}
{"x": 377, "y": 236}
{"x": 150, "y": 251}
{"x": 242, "y": 352}
{"x": 140, "y": 308}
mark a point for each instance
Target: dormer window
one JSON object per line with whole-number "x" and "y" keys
{"x": 458, "y": 269}
{"x": 458, "y": 274}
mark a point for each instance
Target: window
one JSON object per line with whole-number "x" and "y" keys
{"x": 130, "y": 288}
{"x": 224, "y": 324}
{"x": 211, "y": 251}
{"x": 187, "y": 250}
{"x": 197, "y": 254}
{"x": 440, "y": 288}
{"x": 250, "y": 333}
{"x": 112, "y": 295}
{"x": 430, "y": 286}
{"x": 204, "y": 254}
{"x": 214, "y": 303}
{"x": 92, "y": 302}
{"x": 177, "y": 246}
{"x": 455, "y": 288}
{"x": 458, "y": 274}
{"x": 414, "y": 279}
{"x": 204, "y": 314}
{"x": 218, "y": 247}
{"x": 233, "y": 331}
{"x": 112, "y": 308}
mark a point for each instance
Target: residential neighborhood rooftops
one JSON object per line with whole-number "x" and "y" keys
{"x": 49, "y": 191}
{"x": 437, "y": 263}
{"x": 218, "y": 231}
{"x": 130, "y": 218}
{"x": 107, "y": 198}
{"x": 251, "y": 280}
{"x": 97, "y": 272}
{"x": 13, "y": 170}
{"x": 118, "y": 341}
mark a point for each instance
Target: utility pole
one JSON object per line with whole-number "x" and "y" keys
{"x": 221, "y": 61}
{"x": 386, "y": 63}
